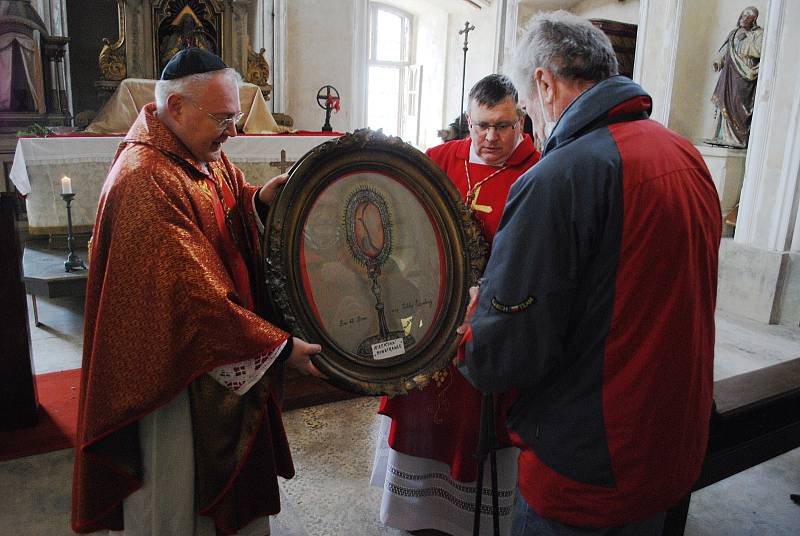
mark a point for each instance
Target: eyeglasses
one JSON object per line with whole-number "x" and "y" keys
{"x": 221, "y": 123}
{"x": 499, "y": 128}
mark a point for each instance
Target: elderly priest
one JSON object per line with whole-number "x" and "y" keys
{"x": 179, "y": 426}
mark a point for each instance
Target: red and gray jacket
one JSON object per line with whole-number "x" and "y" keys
{"x": 597, "y": 305}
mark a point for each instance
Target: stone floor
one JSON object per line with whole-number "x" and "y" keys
{"x": 333, "y": 448}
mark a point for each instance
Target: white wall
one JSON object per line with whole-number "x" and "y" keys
{"x": 627, "y": 11}
{"x": 431, "y": 54}
{"x": 481, "y": 56}
{"x": 319, "y": 52}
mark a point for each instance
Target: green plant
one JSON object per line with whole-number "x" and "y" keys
{"x": 35, "y": 130}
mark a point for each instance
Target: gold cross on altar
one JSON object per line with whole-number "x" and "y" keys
{"x": 282, "y": 164}
{"x": 473, "y": 202}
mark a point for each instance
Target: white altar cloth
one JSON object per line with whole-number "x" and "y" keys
{"x": 39, "y": 164}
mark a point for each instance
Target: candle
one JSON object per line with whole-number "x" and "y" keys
{"x": 66, "y": 185}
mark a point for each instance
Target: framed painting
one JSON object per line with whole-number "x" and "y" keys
{"x": 370, "y": 253}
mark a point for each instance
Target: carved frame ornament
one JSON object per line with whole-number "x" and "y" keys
{"x": 370, "y": 252}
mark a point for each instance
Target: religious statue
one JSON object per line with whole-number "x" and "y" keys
{"x": 737, "y": 62}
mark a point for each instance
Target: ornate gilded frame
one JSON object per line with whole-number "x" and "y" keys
{"x": 370, "y": 252}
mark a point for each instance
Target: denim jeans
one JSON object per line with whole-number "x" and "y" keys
{"x": 528, "y": 523}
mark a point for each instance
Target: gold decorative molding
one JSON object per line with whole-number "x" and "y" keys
{"x": 258, "y": 71}
{"x": 112, "y": 59}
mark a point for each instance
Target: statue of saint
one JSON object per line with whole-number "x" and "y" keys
{"x": 737, "y": 62}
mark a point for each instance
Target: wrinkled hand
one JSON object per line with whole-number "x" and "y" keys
{"x": 270, "y": 189}
{"x": 300, "y": 358}
{"x": 474, "y": 292}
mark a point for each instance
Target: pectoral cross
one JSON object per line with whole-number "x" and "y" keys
{"x": 282, "y": 164}
{"x": 472, "y": 202}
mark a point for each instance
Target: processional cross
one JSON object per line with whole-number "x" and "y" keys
{"x": 467, "y": 28}
{"x": 282, "y": 164}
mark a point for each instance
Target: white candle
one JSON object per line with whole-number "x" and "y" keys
{"x": 66, "y": 185}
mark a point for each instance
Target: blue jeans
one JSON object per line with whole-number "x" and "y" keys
{"x": 528, "y": 523}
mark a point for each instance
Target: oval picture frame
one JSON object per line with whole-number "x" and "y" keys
{"x": 370, "y": 252}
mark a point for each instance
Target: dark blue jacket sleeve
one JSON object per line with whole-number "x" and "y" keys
{"x": 519, "y": 326}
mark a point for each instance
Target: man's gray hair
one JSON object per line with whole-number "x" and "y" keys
{"x": 570, "y": 47}
{"x": 190, "y": 86}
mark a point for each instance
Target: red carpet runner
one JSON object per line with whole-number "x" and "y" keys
{"x": 58, "y": 409}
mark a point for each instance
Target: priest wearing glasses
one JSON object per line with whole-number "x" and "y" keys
{"x": 179, "y": 422}
{"x": 433, "y": 433}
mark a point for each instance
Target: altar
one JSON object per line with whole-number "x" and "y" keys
{"x": 39, "y": 164}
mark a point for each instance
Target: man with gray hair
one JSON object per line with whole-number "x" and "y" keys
{"x": 179, "y": 422}
{"x": 597, "y": 304}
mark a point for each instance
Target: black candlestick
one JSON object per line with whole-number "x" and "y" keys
{"x": 327, "y": 126}
{"x": 73, "y": 262}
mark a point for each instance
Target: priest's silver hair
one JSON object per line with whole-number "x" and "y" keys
{"x": 568, "y": 46}
{"x": 190, "y": 86}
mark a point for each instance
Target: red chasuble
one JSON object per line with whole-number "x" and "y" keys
{"x": 441, "y": 421}
{"x": 173, "y": 292}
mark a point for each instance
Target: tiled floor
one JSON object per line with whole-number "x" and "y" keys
{"x": 333, "y": 447}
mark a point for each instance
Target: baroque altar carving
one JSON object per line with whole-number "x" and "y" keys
{"x": 152, "y": 31}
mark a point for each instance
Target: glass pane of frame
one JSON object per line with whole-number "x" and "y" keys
{"x": 371, "y": 254}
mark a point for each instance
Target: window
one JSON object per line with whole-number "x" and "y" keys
{"x": 389, "y": 59}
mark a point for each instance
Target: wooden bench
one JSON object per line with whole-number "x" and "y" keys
{"x": 756, "y": 418}
{"x": 44, "y": 275}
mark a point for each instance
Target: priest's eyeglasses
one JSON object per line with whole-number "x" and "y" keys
{"x": 221, "y": 122}
{"x": 499, "y": 128}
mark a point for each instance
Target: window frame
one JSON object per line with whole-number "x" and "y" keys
{"x": 408, "y": 52}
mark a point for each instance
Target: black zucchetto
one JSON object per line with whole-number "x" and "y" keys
{"x": 191, "y": 61}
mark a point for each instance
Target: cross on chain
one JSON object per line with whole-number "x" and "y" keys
{"x": 282, "y": 164}
{"x": 473, "y": 202}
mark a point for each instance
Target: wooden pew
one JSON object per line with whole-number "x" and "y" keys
{"x": 756, "y": 418}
